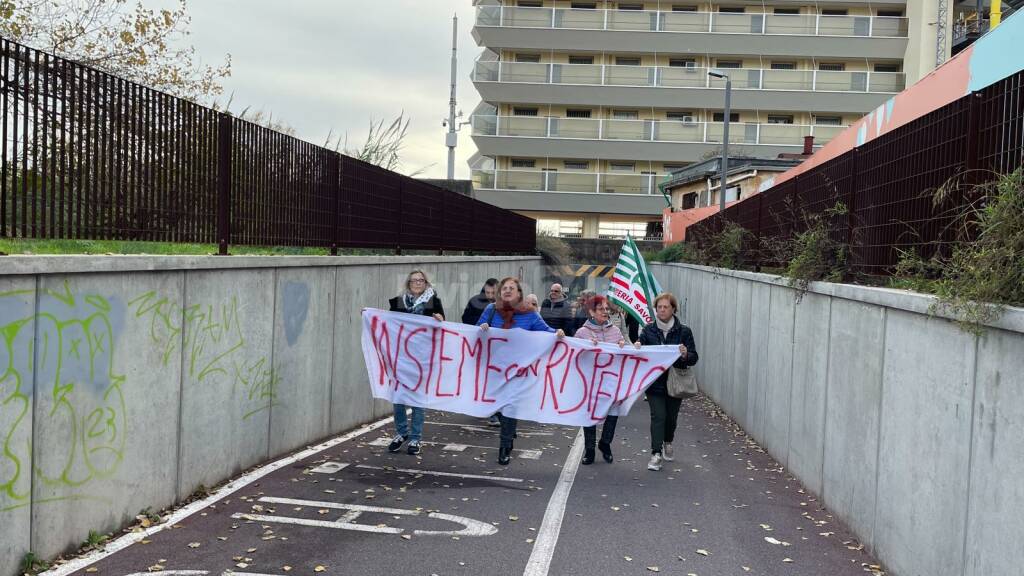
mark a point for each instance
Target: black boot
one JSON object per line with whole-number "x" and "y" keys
{"x": 606, "y": 451}
{"x": 504, "y": 456}
{"x": 588, "y": 457}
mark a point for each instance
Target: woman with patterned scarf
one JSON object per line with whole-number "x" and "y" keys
{"x": 511, "y": 311}
{"x": 419, "y": 298}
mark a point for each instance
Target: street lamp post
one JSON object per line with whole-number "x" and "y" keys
{"x": 724, "y": 164}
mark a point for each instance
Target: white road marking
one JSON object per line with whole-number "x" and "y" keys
{"x": 490, "y": 429}
{"x": 455, "y": 447}
{"x": 199, "y": 573}
{"x": 219, "y": 494}
{"x": 328, "y": 468}
{"x": 470, "y": 527}
{"x": 528, "y": 454}
{"x": 433, "y": 473}
{"x": 547, "y": 537}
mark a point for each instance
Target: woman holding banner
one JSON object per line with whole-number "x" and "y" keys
{"x": 419, "y": 298}
{"x": 599, "y": 328}
{"x": 666, "y": 329}
{"x": 511, "y": 311}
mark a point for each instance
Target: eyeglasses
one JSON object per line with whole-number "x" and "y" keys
{"x": 417, "y": 280}
{"x": 556, "y": 291}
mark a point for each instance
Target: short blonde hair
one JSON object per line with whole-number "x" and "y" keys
{"x": 408, "y": 279}
{"x": 671, "y": 300}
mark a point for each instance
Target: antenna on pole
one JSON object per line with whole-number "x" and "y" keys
{"x": 452, "y": 137}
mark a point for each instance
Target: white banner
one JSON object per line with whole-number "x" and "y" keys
{"x": 418, "y": 361}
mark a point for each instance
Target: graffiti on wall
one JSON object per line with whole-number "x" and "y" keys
{"x": 62, "y": 355}
{"x": 59, "y": 352}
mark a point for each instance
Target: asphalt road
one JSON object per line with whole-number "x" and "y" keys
{"x": 723, "y": 507}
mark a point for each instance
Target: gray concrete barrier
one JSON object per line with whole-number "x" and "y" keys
{"x": 127, "y": 382}
{"x": 907, "y": 427}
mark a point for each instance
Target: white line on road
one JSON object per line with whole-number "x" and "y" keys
{"x": 223, "y": 492}
{"x": 547, "y": 537}
{"x": 433, "y": 473}
{"x": 528, "y": 454}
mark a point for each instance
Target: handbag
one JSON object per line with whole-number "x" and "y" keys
{"x": 682, "y": 383}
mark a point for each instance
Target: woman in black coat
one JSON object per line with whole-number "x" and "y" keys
{"x": 666, "y": 329}
{"x": 418, "y": 298}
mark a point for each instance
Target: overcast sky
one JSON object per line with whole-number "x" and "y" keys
{"x": 323, "y": 65}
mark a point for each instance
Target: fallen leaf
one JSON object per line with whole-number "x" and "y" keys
{"x": 703, "y": 552}
{"x": 91, "y": 569}
{"x": 286, "y": 568}
{"x": 513, "y": 518}
{"x": 771, "y": 540}
{"x": 654, "y": 569}
{"x": 194, "y": 544}
{"x": 406, "y": 537}
{"x": 628, "y": 558}
{"x": 319, "y": 569}
{"x": 787, "y": 559}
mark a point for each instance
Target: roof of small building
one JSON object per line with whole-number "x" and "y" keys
{"x": 712, "y": 166}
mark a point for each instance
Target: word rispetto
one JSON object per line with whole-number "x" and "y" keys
{"x": 417, "y": 361}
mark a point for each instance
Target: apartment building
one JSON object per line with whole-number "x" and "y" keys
{"x": 588, "y": 105}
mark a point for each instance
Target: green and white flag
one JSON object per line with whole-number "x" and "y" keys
{"x": 633, "y": 286}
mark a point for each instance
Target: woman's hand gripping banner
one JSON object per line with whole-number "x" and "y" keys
{"x": 418, "y": 361}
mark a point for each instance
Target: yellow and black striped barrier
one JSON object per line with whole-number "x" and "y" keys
{"x": 587, "y": 270}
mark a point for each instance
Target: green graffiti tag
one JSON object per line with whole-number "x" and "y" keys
{"x": 213, "y": 345}
{"x": 65, "y": 350}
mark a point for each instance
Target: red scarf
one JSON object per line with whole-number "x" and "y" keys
{"x": 507, "y": 311}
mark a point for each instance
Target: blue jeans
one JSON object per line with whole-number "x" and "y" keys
{"x": 402, "y": 424}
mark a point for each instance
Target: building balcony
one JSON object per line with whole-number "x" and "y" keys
{"x": 687, "y": 77}
{"x": 551, "y": 191}
{"x": 715, "y": 22}
{"x": 655, "y": 140}
{"x": 667, "y": 86}
{"x": 711, "y": 32}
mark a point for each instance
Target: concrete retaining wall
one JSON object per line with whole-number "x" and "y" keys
{"x": 908, "y": 428}
{"x": 128, "y": 382}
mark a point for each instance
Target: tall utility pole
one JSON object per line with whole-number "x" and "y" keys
{"x": 724, "y": 164}
{"x": 940, "y": 32}
{"x": 452, "y": 138}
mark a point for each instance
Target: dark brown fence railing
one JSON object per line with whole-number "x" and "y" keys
{"x": 887, "y": 185}
{"x": 87, "y": 155}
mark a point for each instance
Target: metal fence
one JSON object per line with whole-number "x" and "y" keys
{"x": 888, "y": 184}
{"x": 87, "y": 155}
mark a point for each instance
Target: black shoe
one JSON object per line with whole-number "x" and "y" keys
{"x": 414, "y": 448}
{"x": 504, "y": 456}
{"x": 588, "y": 457}
{"x": 396, "y": 444}
{"x": 606, "y": 451}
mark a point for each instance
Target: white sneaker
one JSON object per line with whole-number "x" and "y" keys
{"x": 668, "y": 454}
{"x": 655, "y": 463}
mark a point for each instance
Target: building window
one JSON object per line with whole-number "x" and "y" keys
{"x": 887, "y": 67}
{"x": 732, "y": 9}
{"x": 534, "y": 58}
{"x": 682, "y": 62}
{"x": 828, "y": 120}
{"x": 630, "y": 6}
{"x": 787, "y": 10}
{"x": 577, "y": 113}
{"x": 520, "y": 111}
{"x": 891, "y": 13}
{"x": 584, "y": 5}
{"x": 617, "y": 230}
{"x": 720, "y": 117}
{"x": 832, "y": 66}
{"x": 622, "y": 166}
{"x": 689, "y": 201}
{"x": 625, "y": 115}
{"x": 530, "y": 3}
{"x": 524, "y": 163}
{"x": 728, "y": 64}
{"x": 780, "y": 119}
{"x": 680, "y": 116}
{"x": 834, "y": 12}
{"x": 683, "y": 8}
{"x": 626, "y": 61}
{"x": 562, "y": 228}
{"x": 581, "y": 59}
{"x": 577, "y": 165}
{"x": 783, "y": 65}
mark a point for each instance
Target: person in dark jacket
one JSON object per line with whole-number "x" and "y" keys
{"x": 632, "y": 326}
{"x": 475, "y": 306}
{"x": 418, "y": 298}
{"x": 511, "y": 311}
{"x": 556, "y": 310}
{"x": 666, "y": 329}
